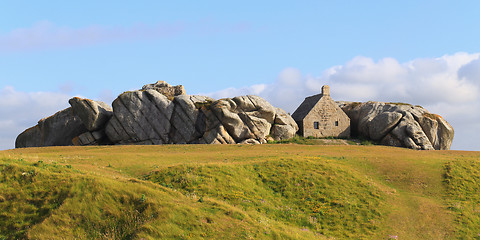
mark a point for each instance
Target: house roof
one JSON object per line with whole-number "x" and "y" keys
{"x": 306, "y": 106}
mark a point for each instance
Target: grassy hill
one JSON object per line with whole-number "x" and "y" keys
{"x": 277, "y": 191}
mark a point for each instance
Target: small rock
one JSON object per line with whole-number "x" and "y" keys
{"x": 250, "y": 141}
{"x": 166, "y": 89}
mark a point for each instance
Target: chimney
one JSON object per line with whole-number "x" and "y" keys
{"x": 326, "y": 90}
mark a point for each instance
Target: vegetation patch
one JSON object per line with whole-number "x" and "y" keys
{"x": 462, "y": 181}
{"x": 28, "y": 195}
{"x": 269, "y": 191}
{"x": 432, "y": 116}
{"x": 297, "y": 140}
{"x": 206, "y": 105}
{"x": 354, "y": 104}
{"x": 400, "y": 103}
{"x": 321, "y": 197}
{"x": 45, "y": 201}
{"x": 314, "y": 141}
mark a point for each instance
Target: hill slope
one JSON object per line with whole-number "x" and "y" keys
{"x": 282, "y": 191}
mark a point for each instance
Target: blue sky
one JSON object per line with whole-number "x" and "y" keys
{"x": 420, "y": 52}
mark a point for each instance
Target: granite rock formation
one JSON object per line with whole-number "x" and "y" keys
{"x": 162, "y": 114}
{"x": 57, "y": 130}
{"x": 400, "y": 125}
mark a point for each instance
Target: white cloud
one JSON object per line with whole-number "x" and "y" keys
{"x": 448, "y": 85}
{"x": 47, "y": 35}
{"x": 228, "y": 92}
{"x": 21, "y": 110}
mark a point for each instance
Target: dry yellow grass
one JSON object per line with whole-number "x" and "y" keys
{"x": 412, "y": 181}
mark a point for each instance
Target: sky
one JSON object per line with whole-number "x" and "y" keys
{"x": 419, "y": 52}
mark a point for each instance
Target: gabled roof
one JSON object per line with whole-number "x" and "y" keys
{"x": 306, "y": 106}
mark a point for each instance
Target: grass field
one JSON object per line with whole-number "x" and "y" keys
{"x": 272, "y": 191}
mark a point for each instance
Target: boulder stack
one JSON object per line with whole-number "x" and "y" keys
{"x": 399, "y": 124}
{"x": 162, "y": 114}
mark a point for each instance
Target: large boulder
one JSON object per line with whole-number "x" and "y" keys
{"x": 245, "y": 117}
{"x": 57, "y": 130}
{"x": 188, "y": 124}
{"x": 397, "y": 124}
{"x": 213, "y": 130}
{"x": 383, "y": 123}
{"x": 93, "y": 114}
{"x": 224, "y": 110}
{"x": 445, "y": 132}
{"x": 284, "y": 126}
{"x": 140, "y": 117}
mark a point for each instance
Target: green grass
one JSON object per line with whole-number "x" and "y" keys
{"x": 315, "y": 141}
{"x": 311, "y": 194}
{"x": 462, "y": 179}
{"x": 29, "y": 193}
{"x": 273, "y": 191}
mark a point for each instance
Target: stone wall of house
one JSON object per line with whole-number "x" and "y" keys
{"x": 332, "y": 121}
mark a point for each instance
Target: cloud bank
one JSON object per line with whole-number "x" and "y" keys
{"x": 448, "y": 85}
{"x": 21, "y": 110}
{"x": 47, "y": 35}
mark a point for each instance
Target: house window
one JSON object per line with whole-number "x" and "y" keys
{"x": 315, "y": 125}
{"x": 336, "y": 123}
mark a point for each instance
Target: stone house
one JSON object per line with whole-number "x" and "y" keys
{"x": 319, "y": 116}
